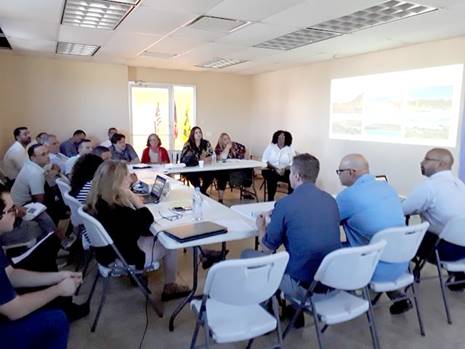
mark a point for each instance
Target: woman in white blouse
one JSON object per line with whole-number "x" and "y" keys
{"x": 278, "y": 156}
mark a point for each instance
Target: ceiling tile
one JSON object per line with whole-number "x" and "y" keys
{"x": 33, "y": 45}
{"x": 29, "y": 30}
{"x": 44, "y": 10}
{"x": 198, "y": 7}
{"x": 148, "y": 21}
{"x": 84, "y": 35}
{"x": 255, "y": 10}
{"x": 127, "y": 44}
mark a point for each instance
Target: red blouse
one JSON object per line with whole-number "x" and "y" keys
{"x": 162, "y": 156}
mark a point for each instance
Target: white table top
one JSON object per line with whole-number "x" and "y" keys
{"x": 251, "y": 211}
{"x": 181, "y": 195}
{"x": 230, "y": 164}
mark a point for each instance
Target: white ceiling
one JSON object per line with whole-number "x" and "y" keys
{"x": 159, "y": 27}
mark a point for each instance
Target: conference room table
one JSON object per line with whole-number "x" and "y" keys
{"x": 180, "y": 195}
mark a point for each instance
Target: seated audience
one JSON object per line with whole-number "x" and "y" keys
{"x": 227, "y": 149}
{"x": 56, "y": 158}
{"x": 16, "y": 155}
{"x": 197, "y": 149}
{"x": 306, "y": 222}
{"x": 81, "y": 178}
{"x": 120, "y": 150}
{"x": 439, "y": 198}
{"x": 103, "y": 152}
{"x": 24, "y": 321}
{"x": 85, "y": 147}
{"x": 154, "y": 153}
{"x": 366, "y": 207}
{"x": 70, "y": 147}
{"x": 111, "y": 132}
{"x": 278, "y": 157}
{"x": 128, "y": 222}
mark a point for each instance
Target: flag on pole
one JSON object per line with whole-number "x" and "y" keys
{"x": 157, "y": 120}
{"x": 186, "y": 126}
{"x": 175, "y": 123}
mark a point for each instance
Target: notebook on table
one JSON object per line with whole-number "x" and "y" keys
{"x": 195, "y": 231}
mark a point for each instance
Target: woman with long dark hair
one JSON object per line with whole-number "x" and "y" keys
{"x": 198, "y": 149}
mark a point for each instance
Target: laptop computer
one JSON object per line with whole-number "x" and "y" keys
{"x": 195, "y": 231}
{"x": 157, "y": 190}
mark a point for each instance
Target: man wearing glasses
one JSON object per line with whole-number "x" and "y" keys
{"x": 24, "y": 323}
{"x": 440, "y": 197}
{"x": 366, "y": 207}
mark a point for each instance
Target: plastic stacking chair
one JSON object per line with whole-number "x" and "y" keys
{"x": 401, "y": 246}
{"x": 453, "y": 232}
{"x": 63, "y": 186}
{"x": 230, "y": 309}
{"x": 345, "y": 270}
{"x": 99, "y": 237}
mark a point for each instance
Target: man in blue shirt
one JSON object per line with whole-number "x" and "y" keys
{"x": 120, "y": 150}
{"x": 306, "y": 222}
{"x": 70, "y": 147}
{"x": 366, "y": 207}
{"x": 23, "y": 324}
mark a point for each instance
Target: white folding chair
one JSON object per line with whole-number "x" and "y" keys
{"x": 99, "y": 237}
{"x": 401, "y": 246}
{"x": 230, "y": 309}
{"x": 453, "y": 232}
{"x": 345, "y": 270}
{"x": 63, "y": 186}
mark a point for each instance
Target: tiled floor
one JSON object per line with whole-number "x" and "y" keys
{"x": 123, "y": 318}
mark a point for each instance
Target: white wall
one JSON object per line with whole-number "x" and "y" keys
{"x": 298, "y": 100}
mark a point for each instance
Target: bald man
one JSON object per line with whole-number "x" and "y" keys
{"x": 438, "y": 199}
{"x": 366, "y": 207}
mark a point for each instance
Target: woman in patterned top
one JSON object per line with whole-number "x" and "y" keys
{"x": 227, "y": 149}
{"x": 81, "y": 176}
{"x": 195, "y": 149}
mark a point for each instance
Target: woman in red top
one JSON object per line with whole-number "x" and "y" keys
{"x": 154, "y": 153}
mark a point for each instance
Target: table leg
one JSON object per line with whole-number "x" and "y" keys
{"x": 191, "y": 295}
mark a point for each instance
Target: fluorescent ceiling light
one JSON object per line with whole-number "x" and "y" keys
{"x": 297, "y": 39}
{"x": 71, "y": 48}
{"x": 218, "y": 24}
{"x": 97, "y": 14}
{"x": 220, "y": 63}
{"x": 383, "y": 13}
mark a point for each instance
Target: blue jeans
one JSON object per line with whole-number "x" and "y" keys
{"x": 44, "y": 328}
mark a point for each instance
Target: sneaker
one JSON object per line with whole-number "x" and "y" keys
{"x": 211, "y": 257}
{"x": 69, "y": 241}
{"x": 247, "y": 196}
{"x": 400, "y": 307}
{"x": 458, "y": 287}
{"x": 174, "y": 291}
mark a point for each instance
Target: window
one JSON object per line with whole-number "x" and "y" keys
{"x": 419, "y": 106}
{"x": 167, "y": 110}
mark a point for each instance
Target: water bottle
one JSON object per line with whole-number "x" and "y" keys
{"x": 197, "y": 202}
{"x": 214, "y": 158}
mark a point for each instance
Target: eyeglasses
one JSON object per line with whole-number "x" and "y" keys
{"x": 429, "y": 159}
{"x": 12, "y": 209}
{"x": 338, "y": 172}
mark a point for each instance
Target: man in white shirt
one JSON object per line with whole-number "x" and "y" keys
{"x": 56, "y": 158}
{"x": 85, "y": 147}
{"x": 16, "y": 155}
{"x": 111, "y": 132}
{"x": 437, "y": 199}
{"x": 30, "y": 182}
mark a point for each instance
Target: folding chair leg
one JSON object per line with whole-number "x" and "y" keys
{"x": 198, "y": 323}
{"x": 89, "y": 298}
{"x": 443, "y": 290}
{"x": 371, "y": 320}
{"x": 146, "y": 292}
{"x": 417, "y": 308}
{"x": 87, "y": 259}
{"x": 278, "y": 322}
{"x": 249, "y": 343}
{"x": 207, "y": 334}
{"x": 317, "y": 325}
{"x": 293, "y": 320}
{"x": 106, "y": 283}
